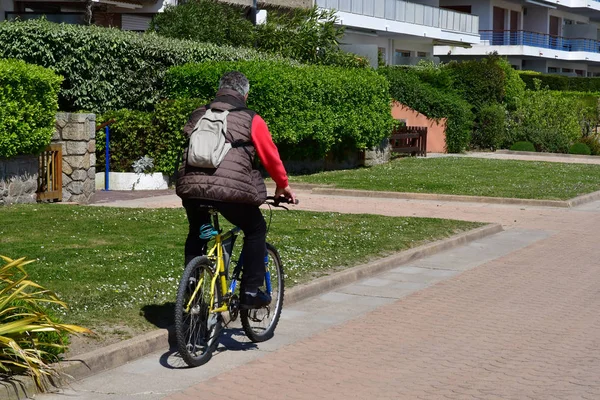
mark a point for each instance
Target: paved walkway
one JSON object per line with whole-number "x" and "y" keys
{"x": 513, "y": 316}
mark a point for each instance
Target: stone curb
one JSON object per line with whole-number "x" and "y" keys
{"x": 586, "y": 198}
{"x": 540, "y": 154}
{"x": 115, "y": 355}
{"x": 442, "y": 197}
{"x": 354, "y": 274}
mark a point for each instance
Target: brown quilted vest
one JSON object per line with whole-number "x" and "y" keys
{"x": 235, "y": 180}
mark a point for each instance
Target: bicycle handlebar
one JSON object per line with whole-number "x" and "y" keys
{"x": 281, "y": 199}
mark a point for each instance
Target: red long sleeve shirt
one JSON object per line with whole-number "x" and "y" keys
{"x": 267, "y": 152}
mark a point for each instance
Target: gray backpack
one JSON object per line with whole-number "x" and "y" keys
{"x": 208, "y": 146}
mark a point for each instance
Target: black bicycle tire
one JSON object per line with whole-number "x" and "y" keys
{"x": 180, "y": 332}
{"x": 244, "y": 314}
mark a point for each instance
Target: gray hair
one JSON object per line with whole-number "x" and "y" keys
{"x": 235, "y": 80}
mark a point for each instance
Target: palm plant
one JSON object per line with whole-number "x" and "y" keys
{"x": 24, "y": 324}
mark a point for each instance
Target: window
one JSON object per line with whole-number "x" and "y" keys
{"x": 580, "y": 72}
{"x": 421, "y": 54}
{"x": 553, "y": 70}
{"x": 566, "y": 70}
{"x": 402, "y": 53}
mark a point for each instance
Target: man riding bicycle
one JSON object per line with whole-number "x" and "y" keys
{"x": 235, "y": 187}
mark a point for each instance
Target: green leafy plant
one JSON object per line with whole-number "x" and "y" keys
{"x": 580, "y": 148}
{"x": 561, "y": 82}
{"x": 28, "y": 105}
{"x": 490, "y": 129}
{"x": 522, "y": 146}
{"x": 105, "y": 68}
{"x": 309, "y": 35}
{"x": 310, "y": 110}
{"x": 213, "y": 22}
{"x": 24, "y": 324}
{"x": 593, "y": 143}
{"x": 408, "y": 89}
{"x": 549, "y": 131}
{"x": 480, "y": 82}
{"x": 157, "y": 134}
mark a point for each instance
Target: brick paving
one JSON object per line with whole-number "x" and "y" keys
{"x": 524, "y": 326}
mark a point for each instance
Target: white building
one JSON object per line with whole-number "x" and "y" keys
{"x": 559, "y": 36}
{"x": 403, "y": 32}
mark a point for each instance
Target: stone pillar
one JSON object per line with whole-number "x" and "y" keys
{"x": 18, "y": 180}
{"x": 77, "y": 135}
{"x": 378, "y": 155}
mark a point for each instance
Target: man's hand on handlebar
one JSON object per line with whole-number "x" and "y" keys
{"x": 287, "y": 193}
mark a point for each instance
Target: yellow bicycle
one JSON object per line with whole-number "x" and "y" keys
{"x": 207, "y": 299}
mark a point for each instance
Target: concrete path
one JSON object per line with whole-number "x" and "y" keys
{"x": 512, "y": 316}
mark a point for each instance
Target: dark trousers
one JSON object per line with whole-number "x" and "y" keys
{"x": 248, "y": 218}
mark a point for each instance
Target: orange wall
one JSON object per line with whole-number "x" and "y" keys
{"x": 436, "y": 132}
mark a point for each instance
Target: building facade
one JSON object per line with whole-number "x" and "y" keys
{"x": 401, "y": 32}
{"x": 559, "y": 36}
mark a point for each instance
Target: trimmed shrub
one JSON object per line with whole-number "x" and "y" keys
{"x": 406, "y": 88}
{"x": 580, "y": 148}
{"x": 156, "y": 134}
{"x": 514, "y": 87}
{"x": 28, "y": 105}
{"x": 592, "y": 142}
{"x": 561, "y": 82}
{"x": 480, "y": 82}
{"x": 523, "y": 146}
{"x": 490, "y": 128}
{"x": 310, "y": 110}
{"x": 105, "y": 68}
{"x": 551, "y": 131}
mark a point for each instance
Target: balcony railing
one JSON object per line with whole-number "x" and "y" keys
{"x": 543, "y": 40}
{"x": 404, "y": 11}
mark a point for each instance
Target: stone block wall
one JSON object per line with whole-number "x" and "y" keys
{"x": 77, "y": 135}
{"x": 378, "y": 155}
{"x": 18, "y": 180}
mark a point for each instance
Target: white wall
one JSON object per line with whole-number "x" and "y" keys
{"x": 479, "y": 8}
{"x": 535, "y": 65}
{"x": 537, "y": 20}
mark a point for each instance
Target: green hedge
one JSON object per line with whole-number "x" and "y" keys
{"x": 156, "y": 134}
{"x": 480, "y": 82}
{"x": 310, "y": 110}
{"x": 104, "y": 68}
{"x": 409, "y": 90}
{"x": 561, "y": 82}
{"x": 28, "y": 106}
{"x": 548, "y": 119}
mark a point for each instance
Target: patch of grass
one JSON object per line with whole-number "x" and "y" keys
{"x": 469, "y": 176}
{"x": 111, "y": 266}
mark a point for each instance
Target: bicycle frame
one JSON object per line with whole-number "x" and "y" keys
{"x": 216, "y": 255}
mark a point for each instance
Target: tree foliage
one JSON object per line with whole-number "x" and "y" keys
{"x": 28, "y": 104}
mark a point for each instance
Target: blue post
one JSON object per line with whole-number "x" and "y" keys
{"x": 106, "y": 157}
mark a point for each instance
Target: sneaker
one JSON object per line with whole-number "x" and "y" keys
{"x": 260, "y": 300}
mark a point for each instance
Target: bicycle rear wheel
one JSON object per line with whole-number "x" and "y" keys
{"x": 196, "y": 330}
{"x": 259, "y": 324}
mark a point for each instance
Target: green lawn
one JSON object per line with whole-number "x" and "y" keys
{"x": 118, "y": 267}
{"x": 468, "y": 176}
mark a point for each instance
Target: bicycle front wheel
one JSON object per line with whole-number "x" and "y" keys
{"x": 259, "y": 324}
{"x": 196, "y": 329}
